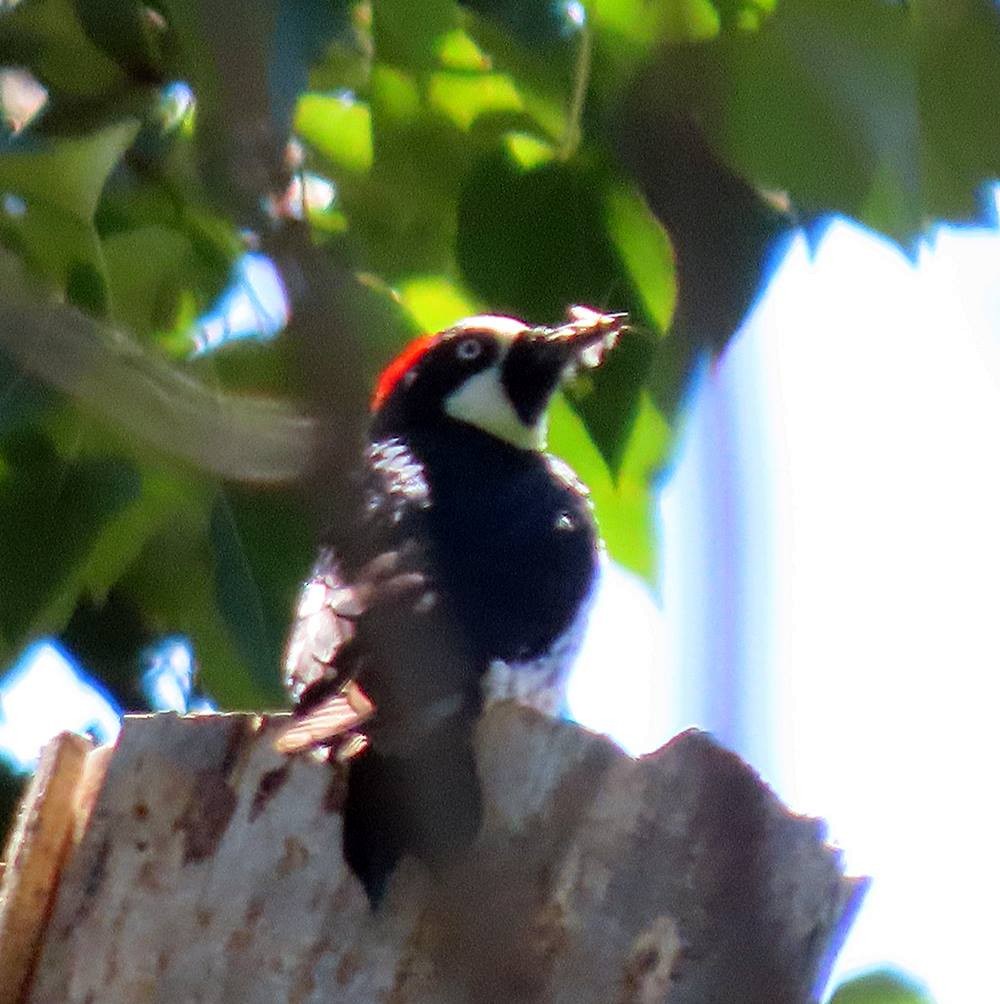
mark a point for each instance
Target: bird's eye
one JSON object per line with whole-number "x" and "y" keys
{"x": 468, "y": 348}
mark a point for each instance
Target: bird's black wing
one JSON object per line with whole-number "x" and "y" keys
{"x": 347, "y": 598}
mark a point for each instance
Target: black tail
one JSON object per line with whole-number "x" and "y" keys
{"x": 426, "y": 803}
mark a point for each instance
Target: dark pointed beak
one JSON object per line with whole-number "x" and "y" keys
{"x": 541, "y": 358}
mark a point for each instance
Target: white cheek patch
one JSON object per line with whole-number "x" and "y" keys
{"x": 481, "y": 401}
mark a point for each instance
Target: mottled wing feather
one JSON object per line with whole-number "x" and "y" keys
{"x": 321, "y": 627}
{"x": 332, "y": 721}
{"x": 320, "y": 660}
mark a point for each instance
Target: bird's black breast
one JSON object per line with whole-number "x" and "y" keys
{"x": 511, "y": 539}
{"x": 466, "y": 551}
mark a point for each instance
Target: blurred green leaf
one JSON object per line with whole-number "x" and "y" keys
{"x": 531, "y": 242}
{"x": 148, "y": 269}
{"x": 130, "y": 33}
{"x": 544, "y": 70}
{"x": 537, "y": 24}
{"x": 67, "y": 174}
{"x": 338, "y": 127}
{"x": 881, "y": 100}
{"x": 411, "y": 35}
{"x": 58, "y": 246}
{"x": 645, "y": 254}
{"x": 47, "y": 38}
{"x": 957, "y": 61}
{"x": 173, "y": 582}
{"x": 263, "y": 550}
{"x": 463, "y": 99}
{"x": 625, "y": 504}
{"x": 50, "y": 190}
{"x": 24, "y": 401}
{"x": 881, "y": 987}
{"x": 57, "y": 512}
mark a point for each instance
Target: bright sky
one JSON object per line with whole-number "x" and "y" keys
{"x": 837, "y": 505}
{"x": 880, "y": 418}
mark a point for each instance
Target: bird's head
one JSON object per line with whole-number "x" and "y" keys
{"x": 495, "y": 373}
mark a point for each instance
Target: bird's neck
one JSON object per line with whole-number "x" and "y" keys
{"x": 448, "y": 443}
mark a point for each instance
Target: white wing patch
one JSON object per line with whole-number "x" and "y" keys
{"x": 321, "y": 626}
{"x": 401, "y": 474}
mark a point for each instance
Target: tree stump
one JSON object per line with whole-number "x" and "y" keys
{"x": 193, "y": 864}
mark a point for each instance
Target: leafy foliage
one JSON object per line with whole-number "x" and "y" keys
{"x": 482, "y": 156}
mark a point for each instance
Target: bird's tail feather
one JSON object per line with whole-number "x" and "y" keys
{"x": 426, "y": 802}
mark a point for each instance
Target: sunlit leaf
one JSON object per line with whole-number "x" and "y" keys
{"x": 435, "y": 301}
{"x": 624, "y": 505}
{"x": 881, "y": 987}
{"x": 645, "y": 253}
{"x": 463, "y": 98}
{"x": 338, "y": 127}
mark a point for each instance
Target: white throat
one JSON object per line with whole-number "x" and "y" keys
{"x": 482, "y": 401}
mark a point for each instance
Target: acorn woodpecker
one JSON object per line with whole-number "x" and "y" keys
{"x": 463, "y": 578}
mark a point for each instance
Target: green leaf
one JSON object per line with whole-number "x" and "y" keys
{"x": 339, "y": 128}
{"x": 167, "y": 258}
{"x": 173, "y": 583}
{"x": 47, "y": 38}
{"x": 148, "y": 269}
{"x": 435, "y": 302}
{"x": 531, "y": 242}
{"x": 463, "y": 98}
{"x": 263, "y": 551}
{"x": 50, "y": 189}
{"x": 55, "y": 511}
{"x": 958, "y": 61}
{"x": 625, "y": 505}
{"x": 68, "y": 173}
{"x": 24, "y": 401}
{"x": 645, "y": 254}
{"x": 128, "y": 32}
{"x": 881, "y": 987}
{"x": 58, "y": 246}
{"x": 544, "y": 72}
{"x": 410, "y": 35}
{"x": 860, "y": 107}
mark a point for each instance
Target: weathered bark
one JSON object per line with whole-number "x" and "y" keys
{"x": 209, "y": 870}
{"x": 42, "y": 834}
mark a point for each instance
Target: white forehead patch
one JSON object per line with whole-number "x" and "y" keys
{"x": 482, "y": 401}
{"x": 506, "y": 328}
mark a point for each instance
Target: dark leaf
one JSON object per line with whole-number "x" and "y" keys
{"x": 263, "y": 551}
{"x": 56, "y": 512}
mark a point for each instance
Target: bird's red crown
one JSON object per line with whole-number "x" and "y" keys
{"x": 398, "y": 368}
